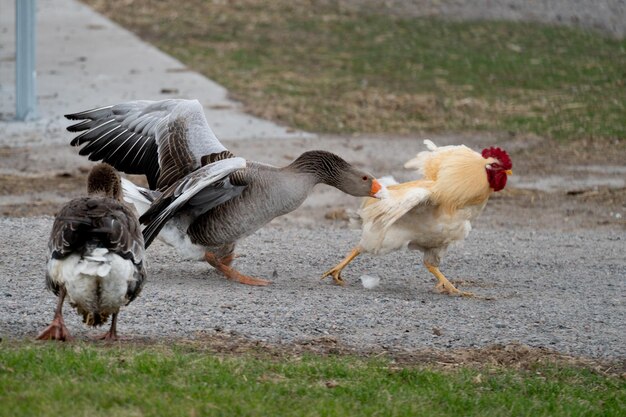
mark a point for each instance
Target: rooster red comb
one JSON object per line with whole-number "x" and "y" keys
{"x": 500, "y": 155}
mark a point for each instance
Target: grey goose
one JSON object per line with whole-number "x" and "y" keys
{"x": 96, "y": 255}
{"x": 202, "y": 199}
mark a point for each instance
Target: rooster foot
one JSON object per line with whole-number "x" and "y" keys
{"x": 444, "y": 286}
{"x": 448, "y": 288}
{"x": 335, "y": 273}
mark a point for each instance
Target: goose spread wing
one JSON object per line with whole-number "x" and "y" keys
{"x": 197, "y": 193}
{"x": 103, "y": 221}
{"x": 164, "y": 140}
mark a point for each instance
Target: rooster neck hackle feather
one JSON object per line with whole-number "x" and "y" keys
{"x": 461, "y": 180}
{"x": 459, "y": 175}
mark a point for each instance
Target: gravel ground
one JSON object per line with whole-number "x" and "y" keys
{"x": 546, "y": 257}
{"x": 563, "y": 291}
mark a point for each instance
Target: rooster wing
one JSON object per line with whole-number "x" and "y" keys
{"x": 379, "y": 215}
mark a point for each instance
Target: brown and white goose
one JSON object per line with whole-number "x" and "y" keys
{"x": 203, "y": 199}
{"x": 96, "y": 253}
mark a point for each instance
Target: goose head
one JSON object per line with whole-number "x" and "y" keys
{"x": 333, "y": 170}
{"x": 104, "y": 180}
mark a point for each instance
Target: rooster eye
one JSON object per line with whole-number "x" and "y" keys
{"x": 364, "y": 177}
{"x": 488, "y": 166}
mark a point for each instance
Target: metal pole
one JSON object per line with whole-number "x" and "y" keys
{"x": 25, "y": 89}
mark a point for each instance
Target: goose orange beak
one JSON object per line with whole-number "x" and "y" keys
{"x": 376, "y": 187}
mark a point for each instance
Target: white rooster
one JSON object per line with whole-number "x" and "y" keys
{"x": 433, "y": 212}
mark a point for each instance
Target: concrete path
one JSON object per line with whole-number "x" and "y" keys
{"x": 85, "y": 61}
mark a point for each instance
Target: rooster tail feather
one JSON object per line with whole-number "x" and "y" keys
{"x": 430, "y": 145}
{"x": 419, "y": 162}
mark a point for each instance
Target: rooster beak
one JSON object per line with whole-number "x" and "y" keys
{"x": 508, "y": 172}
{"x": 376, "y": 187}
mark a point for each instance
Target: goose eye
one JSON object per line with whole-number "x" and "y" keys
{"x": 365, "y": 178}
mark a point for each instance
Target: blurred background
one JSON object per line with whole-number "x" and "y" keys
{"x": 553, "y": 68}
{"x": 368, "y": 79}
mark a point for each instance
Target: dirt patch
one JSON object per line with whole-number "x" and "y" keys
{"x": 555, "y": 186}
{"x": 514, "y": 356}
{"x": 38, "y": 195}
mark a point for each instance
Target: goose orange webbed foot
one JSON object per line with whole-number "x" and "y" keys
{"x": 228, "y": 259}
{"x": 223, "y": 266}
{"x": 108, "y": 337}
{"x": 111, "y": 335}
{"x": 56, "y": 331}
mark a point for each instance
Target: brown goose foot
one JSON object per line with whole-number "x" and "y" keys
{"x": 56, "y": 331}
{"x": 108, "y": 337}
{"x": 231, "y": 273}
{"x": 228, "y": 259}
{"x": 111, "y": 335}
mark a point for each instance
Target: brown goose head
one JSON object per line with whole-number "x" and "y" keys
{"x": 105, "y": 181}
{"x": 333, "y": 170}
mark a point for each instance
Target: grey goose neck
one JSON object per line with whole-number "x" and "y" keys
{"x": 325, "y": 166}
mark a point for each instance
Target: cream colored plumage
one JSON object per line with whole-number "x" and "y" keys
{"x": 433, "y": 212}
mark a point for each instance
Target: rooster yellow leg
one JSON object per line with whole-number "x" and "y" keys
{"x": 445, "y": 286}
{"x": 335, "y": 272}
{"x": 223, "y": 266}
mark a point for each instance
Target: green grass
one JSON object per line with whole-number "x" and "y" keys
{"x": 316, "y": 67}
{"x": 52, "y": 379}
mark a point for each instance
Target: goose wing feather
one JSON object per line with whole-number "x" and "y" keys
{"x": 164, "y": 140}
{"x": 197, "y": 193}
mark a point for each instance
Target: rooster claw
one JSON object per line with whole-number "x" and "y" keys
{"x": 448, "y": 288}
{"x": 336, "y": 275}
